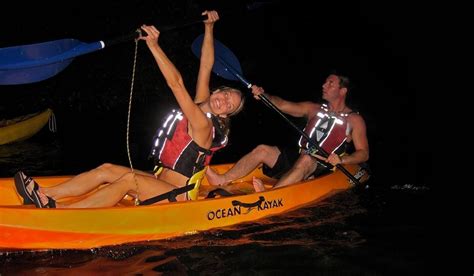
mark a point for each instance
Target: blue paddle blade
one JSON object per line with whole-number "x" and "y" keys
{"x": 36, "y": 62}
{"x": 225, "y": 59}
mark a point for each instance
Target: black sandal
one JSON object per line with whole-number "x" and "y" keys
{"x": 21, "y": 188}
{"x": 34, "y": 194}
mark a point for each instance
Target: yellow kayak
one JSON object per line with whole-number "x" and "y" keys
{"x": 23, "y": 127}
{"x": 26, "y": 227}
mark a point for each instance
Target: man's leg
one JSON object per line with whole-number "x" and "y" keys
{"x": 302, "y": 169}
{"x": 267, "y": 155}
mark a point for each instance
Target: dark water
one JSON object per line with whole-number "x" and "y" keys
{"x": 371, "y": 230}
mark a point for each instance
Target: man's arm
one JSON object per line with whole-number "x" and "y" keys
{"x": 359, "y": 138}
{"x": 295, "y": 109}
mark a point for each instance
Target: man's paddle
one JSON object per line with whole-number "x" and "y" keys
{"x": 228, "y": 67}
{"x": 36, "y": 62}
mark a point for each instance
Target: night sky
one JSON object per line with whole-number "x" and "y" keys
{"x": 286, "y": 47}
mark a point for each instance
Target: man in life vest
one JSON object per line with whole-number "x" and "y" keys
{"x": 333, "y": 126}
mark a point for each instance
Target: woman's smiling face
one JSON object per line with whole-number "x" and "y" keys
{"x": 225, "y": 102}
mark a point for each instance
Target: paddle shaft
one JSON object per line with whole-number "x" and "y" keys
{"x": 136, "y": 34}
{"x": 268, "y": 103}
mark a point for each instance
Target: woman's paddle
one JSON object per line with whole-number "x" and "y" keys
{"x": 36, "y": 62}
{"x": 228, "y": 67}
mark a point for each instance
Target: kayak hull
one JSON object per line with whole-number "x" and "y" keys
{"x": 24, "y": 127}
{"x": 25, "y": 227}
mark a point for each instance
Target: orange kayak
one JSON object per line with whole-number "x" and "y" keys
{"x": 26, "y": 227}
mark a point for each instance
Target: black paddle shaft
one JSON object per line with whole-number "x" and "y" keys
{"x": 136, "y": 34}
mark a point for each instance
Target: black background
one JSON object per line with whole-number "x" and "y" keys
{"x": 287, "y": 47}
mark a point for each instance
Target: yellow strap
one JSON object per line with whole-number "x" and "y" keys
{"x": 196, "y": 180}
{"x": 157, "y": 170}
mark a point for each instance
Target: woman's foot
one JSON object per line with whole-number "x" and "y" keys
{"x": 21, "y": 188}
{"x": 258, "y": 184}
{"x": 32, "y": 190}
{"x": 215, "y": 179}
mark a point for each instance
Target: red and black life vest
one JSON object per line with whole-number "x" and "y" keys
{"x": 173, "y": 148}
{"x": 327, "y": 129}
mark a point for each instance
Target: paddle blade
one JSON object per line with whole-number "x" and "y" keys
{"x": 32, "y": 74}
{"x": 221, "y": 53}
{"x": 36, "y": 62}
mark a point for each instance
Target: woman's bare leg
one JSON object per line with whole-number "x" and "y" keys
{"x": 148, "y": 186}
{"x": 86, "y": 182}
